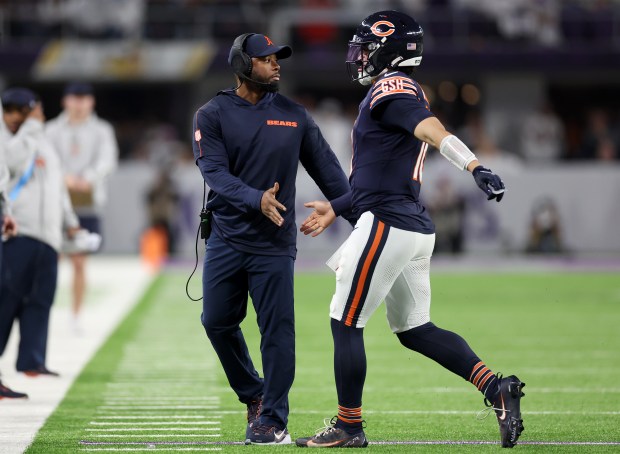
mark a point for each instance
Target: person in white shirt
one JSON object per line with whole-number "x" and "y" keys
{"x": 88, "y": 151}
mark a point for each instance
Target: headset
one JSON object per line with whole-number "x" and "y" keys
{"x": 241, "y": 62}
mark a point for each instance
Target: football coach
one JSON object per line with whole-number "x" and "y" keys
{"x": 247, "y": 142}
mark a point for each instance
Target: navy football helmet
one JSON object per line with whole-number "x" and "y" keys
{"x": 384, "y": 40}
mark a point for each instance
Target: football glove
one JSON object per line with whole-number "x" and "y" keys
{"x": 491, "y": 184}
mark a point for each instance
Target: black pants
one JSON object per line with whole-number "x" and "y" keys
{"x": 228, "y": 276}
{"x": 27, "y": 289}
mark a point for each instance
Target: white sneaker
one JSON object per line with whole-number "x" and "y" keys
{"x": 268, "y": 435}
{"x": 76, "y": 326}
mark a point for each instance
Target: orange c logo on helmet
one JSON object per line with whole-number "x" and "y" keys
{"x": 269, "y": 42}
{"x": 375, "y": 28}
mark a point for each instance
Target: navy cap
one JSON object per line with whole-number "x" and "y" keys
{"x": 261, "y": 45}
{"x": 21, "y": 97}
{"x": 79, "y": 88}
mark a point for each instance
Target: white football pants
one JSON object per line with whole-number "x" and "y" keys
{"x": 378, "y": 262}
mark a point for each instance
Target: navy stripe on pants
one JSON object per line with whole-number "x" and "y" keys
{"x": 228, "y": 276}
{"x": 29, "y": 271}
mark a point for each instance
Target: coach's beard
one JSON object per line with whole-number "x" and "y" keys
{"x": 263, "y": 85}
{"x": 273, "y": 87}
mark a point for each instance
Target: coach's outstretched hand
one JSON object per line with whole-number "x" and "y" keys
{"x": 321, "y": 218}
{"x": 491, "y": 184}
{"x": 270, "y": 206}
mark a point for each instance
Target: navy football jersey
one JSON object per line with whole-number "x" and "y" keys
{"x": 387, "y": 158}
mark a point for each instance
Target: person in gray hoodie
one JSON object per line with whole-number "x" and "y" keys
{"x": 7, "y": 223}
{"x": 8, "y": 228}
{"x": 88, "y": 151}
{"x": 42, "y": 209}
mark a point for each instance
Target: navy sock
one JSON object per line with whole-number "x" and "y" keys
{"x": 350, "y": 374}
{"x": 452, "y": 352}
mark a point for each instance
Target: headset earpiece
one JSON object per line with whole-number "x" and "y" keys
{"x": 241, "y": 62}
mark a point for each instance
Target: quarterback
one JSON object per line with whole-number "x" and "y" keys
{"x": 387, "y": 256}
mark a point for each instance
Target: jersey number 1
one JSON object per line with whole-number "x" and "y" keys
{"x": 419, "y": 165}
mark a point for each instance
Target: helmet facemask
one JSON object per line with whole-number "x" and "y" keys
{"x": 359, "y": 61}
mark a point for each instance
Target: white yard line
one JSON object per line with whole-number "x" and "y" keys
{"x": 152, "y": 398}
{"x": 151, "y": 429}
{"x": 166, "y": 416}
{"x": 117, "y": 283}
{"x": 158, "y": 423}
{"x": 149, "y": 448}
{"x": 157, "y": 407}
{"x": 203, "y": 435}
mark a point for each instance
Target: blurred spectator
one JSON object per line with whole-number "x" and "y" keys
{"x": 546, "y": 22}
{"x": 545, "y": 228}
{"x": 475, "y": 136}
{"x": 472, "y": 130}
{"x": 159, "y": 145}
{"x": 42, "y": 209}
{"x": 600, "y": 139}
{"x": 542, "y": 136}
{"x": 317, "y": 35}
{"x": 7, "y": 229}
{"x": 500, "y": 161}
{"x": 362, "y": 7}
{"x": 522, "y": 20}
{"x": 88, "y": 152}
{"x": 162, "y": 200}
{"x": 95, "y": 18}
{"x": 590, "y": 21}
{"x": 7, "y": 223}
{"x": 336, "y": 129}
{"x": 447, "y": 208}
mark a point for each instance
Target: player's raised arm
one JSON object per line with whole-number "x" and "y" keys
{"x": 454, "y": 150}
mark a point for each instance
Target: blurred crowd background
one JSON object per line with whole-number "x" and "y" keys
{"x": 532, "y": 86}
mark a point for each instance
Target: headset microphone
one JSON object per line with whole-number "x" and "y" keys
{"x": 265, "y": 85}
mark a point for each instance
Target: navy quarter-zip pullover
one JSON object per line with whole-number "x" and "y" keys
{"x": 242, "y": 149}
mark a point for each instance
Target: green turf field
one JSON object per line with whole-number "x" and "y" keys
{"x": 156, "y": 384}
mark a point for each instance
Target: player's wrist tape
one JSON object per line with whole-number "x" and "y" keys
{"x": 456, "y": 152}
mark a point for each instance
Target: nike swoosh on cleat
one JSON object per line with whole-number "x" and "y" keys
{"x": 503, "y": 416}
{"x": 280, "y": 436}
{"x": 323, "y": 445}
